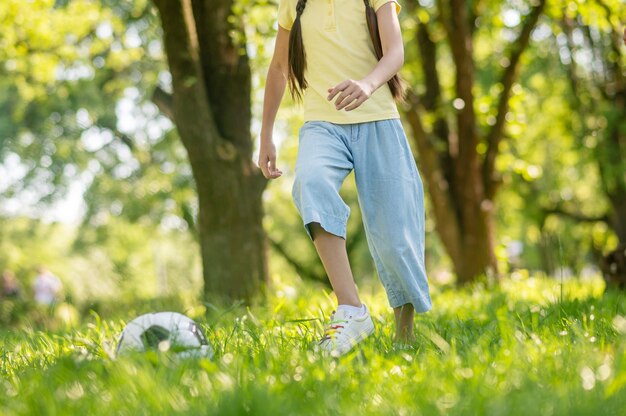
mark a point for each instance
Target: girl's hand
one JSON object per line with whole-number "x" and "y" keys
{"x": 267, "y": 160}
{"x": 353, "y": 94}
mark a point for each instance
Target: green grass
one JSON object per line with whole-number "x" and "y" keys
{"x": 528, "y": 347}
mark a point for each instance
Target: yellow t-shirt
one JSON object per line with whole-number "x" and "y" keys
{"x": 338, "y": 47}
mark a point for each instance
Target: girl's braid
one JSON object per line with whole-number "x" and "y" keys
{"x": 300, "y": 7}
{"x": 297, "y": 55}
{"x": 396, "y": 84}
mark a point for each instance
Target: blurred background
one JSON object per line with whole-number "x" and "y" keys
{"x": 129, "y": 134}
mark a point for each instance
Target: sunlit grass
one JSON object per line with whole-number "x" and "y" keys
{"x": 529, "y": 346}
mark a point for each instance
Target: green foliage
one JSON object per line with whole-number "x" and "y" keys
{"x": 77, "y": 79}
{"x": 54, "y": 75}
{"x": 559, "y": 157}
{"x": 120, "y": 261}
{"x": 543, "y": 167}
{"x": 530, "y": 347}
{"x": 73, "y": 73}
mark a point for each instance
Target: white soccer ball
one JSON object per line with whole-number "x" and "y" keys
{"x": 165, "y": 331}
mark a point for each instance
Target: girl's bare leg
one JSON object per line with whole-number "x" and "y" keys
{"x": 404, "y": 323}
{"x": 332, "y": 252}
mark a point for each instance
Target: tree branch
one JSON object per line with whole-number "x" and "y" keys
{"x": 616, "y": 44}
{"x": 474, "y": 13}
{"x": 508, "y": 78}
{"x": 568, "y": 27}
{"x": 428, "y": 61}
{"x": 431, "y": 100}
{"x": 467, "y": 186}
{"x": 302, "y": 271}
{"x": 559, "y": 210}
{"x": 164, "y": 102}
{"x": 187, "y": 214}
{"x": 124, "y": 138}
{"x": 456, "y": 22}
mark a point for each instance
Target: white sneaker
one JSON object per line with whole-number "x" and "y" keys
{"x": 344, "y": 331}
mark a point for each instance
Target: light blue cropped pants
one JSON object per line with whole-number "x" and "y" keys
{"x": 390, "y": 194}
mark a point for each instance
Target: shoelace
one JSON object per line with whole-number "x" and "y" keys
{"x": 333, "y": 328}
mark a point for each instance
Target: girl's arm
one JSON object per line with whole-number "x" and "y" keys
{"x": 274, "y": 89}
{"x": 387, "y": 67}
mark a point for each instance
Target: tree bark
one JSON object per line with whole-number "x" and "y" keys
{"x": 210, "y": 106}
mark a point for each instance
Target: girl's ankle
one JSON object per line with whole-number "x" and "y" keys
{"x": 404, "y": 338}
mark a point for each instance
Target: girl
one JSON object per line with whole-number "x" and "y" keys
{"x": 341, "y": 57}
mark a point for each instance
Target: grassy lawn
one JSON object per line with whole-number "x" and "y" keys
{"x": 529, "y": 347}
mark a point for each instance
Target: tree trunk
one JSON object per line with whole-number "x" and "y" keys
{"x": 461, "y": 183}
{"x": 470, "y": 247}
{"x": 211, "y": 110}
